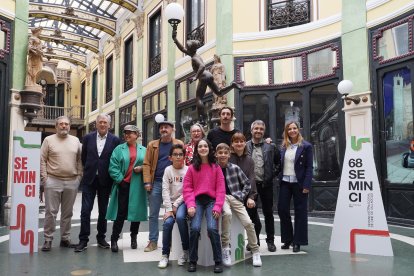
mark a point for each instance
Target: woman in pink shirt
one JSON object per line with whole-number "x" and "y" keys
{"x": 204, "y": 192}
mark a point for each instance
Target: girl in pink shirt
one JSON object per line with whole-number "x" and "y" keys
{"x": 204, "y": 193}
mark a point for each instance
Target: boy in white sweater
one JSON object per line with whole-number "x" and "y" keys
{"x": 175, "y": 208}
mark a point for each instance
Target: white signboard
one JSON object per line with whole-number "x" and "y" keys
{"x": 360, "y": 225}
{"x": 25, "y": 179}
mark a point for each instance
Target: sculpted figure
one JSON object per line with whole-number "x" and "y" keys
{"x": 204, "y": 77}
{"x": 35, "y": 56}
{"x": 219, "y": 74}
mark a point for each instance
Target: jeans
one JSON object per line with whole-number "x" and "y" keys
{"x": 204, "y": 204}
{"x": 155, "y": 200}
{"x": 88, "y": 197}
{"x": 299, "y": 234}
{"x": 181, "y": 218}
{"x": 266, "y": 197}
{"x": 123, "y": 201}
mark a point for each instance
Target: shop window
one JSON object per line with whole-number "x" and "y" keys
{"x": 286, "y": 70}
{"x": 321, "y": 63}
{"x": 394, "y": 42}
{"x": 128, "y": 116}
{"x": 255, "y": 73}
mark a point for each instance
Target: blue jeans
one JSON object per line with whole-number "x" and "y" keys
{"x": 181, "y": 218}
{"x": 155, "y": 200}
{"x": 204, "y": 204}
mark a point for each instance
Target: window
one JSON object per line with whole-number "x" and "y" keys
{"x": 128, "y": 64}
{"x": 83, "y": 93}
{"x": 94, "y": 99}
{"x": 108, "y": 79}
{"x": 195, "y": 22}
{"x": 127, "y": 115}
{"x": 255, "y": 107}
{"x": 394, "y": 42}
{"x": 155, "y": 44}
{"x": 282, "y": 14}
{"x": 112, "y": 126}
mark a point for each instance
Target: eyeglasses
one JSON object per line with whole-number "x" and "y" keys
{"x": 178, "y": 154}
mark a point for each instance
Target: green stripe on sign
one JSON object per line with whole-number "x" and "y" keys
{"x": 23, "y": 145}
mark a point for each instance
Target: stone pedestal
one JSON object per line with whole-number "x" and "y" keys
{"x": 31, "y": 97}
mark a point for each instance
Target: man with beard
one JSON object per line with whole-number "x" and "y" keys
{"x": 60, "y": 174}
{"x": 155, "y": 162}
{"x": 224, "y": 132}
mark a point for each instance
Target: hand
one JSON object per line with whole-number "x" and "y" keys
{"x": 174, "y": 210}
{"x": 268, "y": 140}
{"x": 193, "y": 79}
{"x": 306, "y": 191}
{"x": 148, "y": 187}
{"x": 216, "y": 214}
{"x": 137, "y": 169}
{"x": 167, "y": 215}
{"x": 250, "y": 203}
{"x": 191, "y": 212}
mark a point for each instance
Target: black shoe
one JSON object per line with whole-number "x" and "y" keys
{"x": 248, "y": 248}
{"x": 192, "y": 267}
{"x": 271, "y": 246}
{"x": 286, "y": 245}
{"x": 81, "y": 246}
{"x": 134, "y": 242}
{"x": 218, "y": 267}
{"x": 47, "y": 246}
{"x": 67, "y": 244}
{"x": 103, "y": 244}
{"x": 114, "y": 246}
{"x": 296, "y": 248}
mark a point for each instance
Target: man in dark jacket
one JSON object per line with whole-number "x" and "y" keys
{"x": 97, "y": 148}
{"x": 266, "y": 159}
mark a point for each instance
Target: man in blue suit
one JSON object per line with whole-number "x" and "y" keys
{"x": 97, "y": 148}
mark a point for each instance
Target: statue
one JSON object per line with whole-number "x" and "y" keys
{"x": 219, "y": 75}
{"x": 35, "y": 57}
{"x": 205, "y": 78}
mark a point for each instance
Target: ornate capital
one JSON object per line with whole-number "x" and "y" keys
{"x": 101, "y": 62}
{"x": 117, "y": 45}
{"x": 139, "y": 24}
{"x": 88, "y": 72}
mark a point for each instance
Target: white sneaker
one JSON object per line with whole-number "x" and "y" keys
{"x": 183, "y": 258}
{"x": 257, "y": 261}
{"x": 226, "y": 256}
{"x": 164, "y": 262}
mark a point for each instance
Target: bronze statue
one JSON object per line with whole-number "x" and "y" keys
{"x": 35, "y": 57}
{"x": 205, "y": 78}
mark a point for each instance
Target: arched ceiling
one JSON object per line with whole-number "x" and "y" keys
{"x": 72, "y": 28}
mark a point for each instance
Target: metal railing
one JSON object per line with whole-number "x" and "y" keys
{"x": 288, "y": 13}
{"x": 47, "y": 113}
{"x": 197, "y": 34}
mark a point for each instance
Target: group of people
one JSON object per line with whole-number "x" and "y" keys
{"x": 213, "y": 176}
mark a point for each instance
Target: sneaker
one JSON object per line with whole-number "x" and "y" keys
{"x": 103, "y": 244}
{"x": 163, "y": 262}
{"x": 257, "y": 261}
{"x": 82, "y": 246}
{"x": 152, "y": 245}
{"x": 227, "y": 256}
{"x": 218, "y": 267}
{"x": 183, "y": 258}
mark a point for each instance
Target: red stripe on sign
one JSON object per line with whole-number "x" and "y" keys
{"x": 25, "y": 237}
{"x": 365, "y": 232}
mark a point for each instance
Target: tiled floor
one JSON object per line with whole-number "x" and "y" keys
{"x": 315, "y": 259}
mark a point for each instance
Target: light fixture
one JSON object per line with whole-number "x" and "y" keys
{"x": 345, "y": 87}
{"x": 174, "y": 13}
{"x": 159, "y": 118}
{"x": 291, "y": 103}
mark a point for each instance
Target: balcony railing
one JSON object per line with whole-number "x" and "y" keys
{"x": 288, "y": 13}
{"x": 128, "y": 82}
{"x": 48, "y": 114}
{"x": 108, "y": 95}
{"x": 155, "y": 65}
{"x": 197, "y": 34}
{"x": 94, "y": 104}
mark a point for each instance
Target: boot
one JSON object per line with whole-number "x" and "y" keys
{"x": 134, "y": 241}
{"x": 114, "y": 246}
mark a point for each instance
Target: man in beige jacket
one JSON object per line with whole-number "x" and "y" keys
{"x": 60, "y": 174}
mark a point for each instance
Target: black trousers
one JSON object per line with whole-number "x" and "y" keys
{"x": 266, "y": 197}
{"x": 123, "y": 200}
{"x": 89, "y": 192}
{"x": 298, "y": 235}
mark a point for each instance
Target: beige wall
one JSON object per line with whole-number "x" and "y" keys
{"x": 8, "y": 8}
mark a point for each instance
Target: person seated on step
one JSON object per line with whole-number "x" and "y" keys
{"x": 175, "y": 208}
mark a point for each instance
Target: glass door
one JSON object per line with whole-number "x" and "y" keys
{"x": 396, "y": 127}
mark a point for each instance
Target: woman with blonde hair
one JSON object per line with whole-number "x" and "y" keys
{"x": 295, "y": 181}
{"x": 196, "y": 134}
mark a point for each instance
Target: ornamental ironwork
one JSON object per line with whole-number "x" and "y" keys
{"x": 128, "y": 82}
{"x": 94, "y": 104}
{"x": 108, "y": 95}
{"x": 155, "y": 65}
{"x": 288, "y": 13}
{"x": 197, "y": 34}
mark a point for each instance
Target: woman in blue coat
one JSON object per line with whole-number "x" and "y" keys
{"x": 295, "y": 181}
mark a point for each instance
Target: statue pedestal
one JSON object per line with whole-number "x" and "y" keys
{"x": 31, "y": 97}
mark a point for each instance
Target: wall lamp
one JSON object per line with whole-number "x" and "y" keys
{"x": 174, "y": 13}
{"x": 344, "y": 88}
